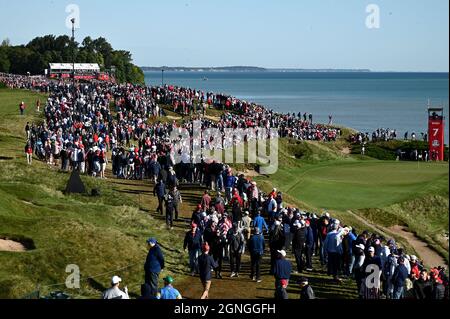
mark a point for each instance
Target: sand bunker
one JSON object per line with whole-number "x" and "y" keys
{"x": 11, "y": 245}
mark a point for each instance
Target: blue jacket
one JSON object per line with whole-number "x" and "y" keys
{"x": 159, "y": 190}
{"x": 282, "y": 269}
{"x": 256, "y": 245}
{"x": 155, "y": 260}
{"x": 230, "y": 181}
{"x": 400, "y": 275}
{"x": 309, "y": 237}
{"x": 260, "y": 223}
{"x": 333, "y": 243}
{"x": 193, "y": 242}
{"x": 350, "y": 239}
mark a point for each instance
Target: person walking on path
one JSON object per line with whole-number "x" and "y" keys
{"x": 256, "y": 247}
{"x": 177, "y": 200}
{"x": 168, "y": 292}
{"x": 236, "y": 241}
{"x": 282, "y": 273}
{"x": 160, "y": 191}
{"x": 114, "y": 292}
{"x": 193, "y": 243}
{"x": 170, "y": 208}
{"x": 205, "y": 265}
{"x": 154, "y": 264}
{"x": 260, "y": 223}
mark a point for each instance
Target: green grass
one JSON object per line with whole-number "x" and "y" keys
{"x": 107, "y": 233}
{"x": 98, "y": 234}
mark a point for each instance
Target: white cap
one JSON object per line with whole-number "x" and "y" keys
{"x": 360, "y": 246}
{"x": 282, "y": 253}
{"x": 115, "y": 280}
{"x": 371, "y": 249}
{"x": 413, "y": 258}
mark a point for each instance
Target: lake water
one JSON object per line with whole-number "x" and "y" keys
{"x": 363, "y": 101}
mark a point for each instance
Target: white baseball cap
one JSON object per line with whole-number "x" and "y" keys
{"x": 282, "y": 252}
{"x": 115, "y": 280}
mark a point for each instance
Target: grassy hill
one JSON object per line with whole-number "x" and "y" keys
{"x": 106, "y": 235}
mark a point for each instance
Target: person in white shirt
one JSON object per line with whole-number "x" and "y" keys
{"x": 114, "y": 292}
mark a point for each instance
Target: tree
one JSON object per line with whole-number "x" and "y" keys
{"x": 39, "y": 52}
{"x": 4, "y": 61}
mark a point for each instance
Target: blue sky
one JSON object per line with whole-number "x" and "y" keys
{"x": 413, "y": 34}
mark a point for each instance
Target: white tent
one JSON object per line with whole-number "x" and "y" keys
{"x": 64, "y": 67}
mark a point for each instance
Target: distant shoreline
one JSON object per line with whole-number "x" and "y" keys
{"x": 247, "y": 69}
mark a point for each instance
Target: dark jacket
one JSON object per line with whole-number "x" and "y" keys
{"x": 193, "y": 242}
{"x": 236, "y": 241}
{"x": 309, "y": 237}
{"x": 256, "y": 245}
{"x": 205, "y": 264}
{"x": 422, "y": 289}
{"x": 155, "y": 260}
{"x": 307, "y": 293}
{"x": 283, "y": 269}
{"x": 160, "y": 190}
{"x": 299, "y": 237}
{"x": 400, "y": 275}
{"x": 438, "y": 292}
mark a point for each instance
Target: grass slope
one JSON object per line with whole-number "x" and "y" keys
{"x": 108, "y": 233}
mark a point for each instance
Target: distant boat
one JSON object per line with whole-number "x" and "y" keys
{"x": 205, "y": 79}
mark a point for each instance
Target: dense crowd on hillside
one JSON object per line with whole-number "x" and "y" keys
{"x": 234, "y": 215}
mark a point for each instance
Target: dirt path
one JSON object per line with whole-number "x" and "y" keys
{"x": 10, "y": 245}
{"x": 429, "y": 256}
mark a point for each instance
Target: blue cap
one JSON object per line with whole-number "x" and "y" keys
{"x": 151, "y": 241}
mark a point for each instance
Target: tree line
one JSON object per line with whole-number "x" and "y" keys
{"x": 39, "y": 52}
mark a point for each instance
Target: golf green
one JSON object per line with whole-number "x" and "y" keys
{"x": 356, "y": 185}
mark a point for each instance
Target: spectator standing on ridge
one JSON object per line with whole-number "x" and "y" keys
{"x": 22, "y": 107}
{"x": 29, "y": 153}
{"x": 154, "y": 264}
{"x": 114, "y": 292}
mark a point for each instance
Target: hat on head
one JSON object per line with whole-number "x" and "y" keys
{"x": 371, "y": 249}
{"x": 282, "y": 252}
{"x": 361, "y": 246}
{"x": 303, "y": 280}
{"x": 246, "y": 212}
{"x": 168, "y": 279}
{"x": 194, "y": 225}
{"x": 152, "y": 241}
{"x": 413, "y": 258}
{"x": 115, "y": 280}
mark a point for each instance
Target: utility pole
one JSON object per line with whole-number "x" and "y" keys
{"x": 73, "y": 61}
{"x": 162, "y": 77}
